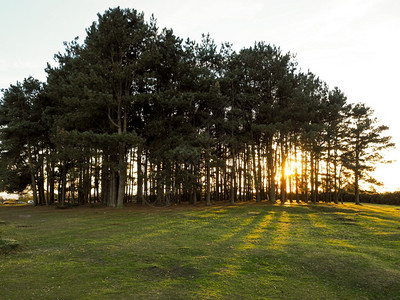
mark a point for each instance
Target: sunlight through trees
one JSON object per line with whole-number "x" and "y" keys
{"x": 137, "y": 114}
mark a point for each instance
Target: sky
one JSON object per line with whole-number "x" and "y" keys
{"x": 351, "y": 44}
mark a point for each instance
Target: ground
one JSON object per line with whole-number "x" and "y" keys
{"x": 244, "y": 251}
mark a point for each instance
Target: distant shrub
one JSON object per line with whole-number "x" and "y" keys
{"x": 392, "y": 198}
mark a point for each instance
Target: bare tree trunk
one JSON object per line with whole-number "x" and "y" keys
{"x": 217, "y": 183}
{"x": 271, "y": 169}
{"x": 296, "y": 174}
{"x": 335, "y": 186}
{"x": 121, "y": 175}
{"x": 63, "y": 184}
{"x": 356, "y": 180}
{"x": 139, "y": 192}
{"x": 32, "y": 172}
{"x": 111, "y": 201}
{"x": 255, "y": 174}
{"x": 260, "y": 174}
{"x": 312, "y": 180}
{"x": 283, "y": 171}
{"x": 233, "y": 177}
{"x": 208, "y": 186}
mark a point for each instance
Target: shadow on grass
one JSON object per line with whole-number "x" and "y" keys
{"x": 222, "y": 252}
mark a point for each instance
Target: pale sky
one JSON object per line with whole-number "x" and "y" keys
{"x": 352, "y": 44}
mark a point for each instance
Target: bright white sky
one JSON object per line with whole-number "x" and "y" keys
{"x": 352, "y": 44}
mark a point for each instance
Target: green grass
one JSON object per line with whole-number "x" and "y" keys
{"x": 221, "y": 252}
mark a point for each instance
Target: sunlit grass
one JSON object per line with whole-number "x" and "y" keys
{"x": 340, "y": 243}
{"x": 219, "y": 252}
{"x": 282, "y": 232}
{"x": 316, "y": 221}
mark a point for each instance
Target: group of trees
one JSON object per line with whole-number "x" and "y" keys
{"x": 135, "y": 114}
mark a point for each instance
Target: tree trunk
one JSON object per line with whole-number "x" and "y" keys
{"x": 111, "y": 201}
{"x": 121, "y": 175}
{"x": 335, "y": 185}
{"x": 255, "y": 174}
{"x": 260, "y": 174}
{"x": 312, "y": 180}
{"x": 283, "y": 172}
{"x": 63, "y": 184}
{"x": 296, "y": 174}
{"x": 139, "y": 192}
{"x": 316, "y": 170}
{"x": 208, "y": 186}
{"x": 356, "y": 190}
{"x": 105, "y": 182}
{"x": 32, "y": 172}
{"x": 217, "y": 184}
{"x": 328, "y": 187}
{"x": 271, "y": 171}
{"x": 233, "y": 177}
{"x": 356, "y": 180}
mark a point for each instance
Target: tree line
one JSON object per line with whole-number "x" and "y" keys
{"x": 137, "y": 114}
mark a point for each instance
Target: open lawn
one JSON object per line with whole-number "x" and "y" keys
{"x": 221, "y": 252}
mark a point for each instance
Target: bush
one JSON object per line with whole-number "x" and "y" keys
{"x": 392, "y": 198}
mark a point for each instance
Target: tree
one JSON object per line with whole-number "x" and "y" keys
{"x": 335, "y": 111}
{"x": 97, "y": 84}
{"x": 22, "y": 135}
{"x": 365, "y": 141}
{"x": 188, "y": 119}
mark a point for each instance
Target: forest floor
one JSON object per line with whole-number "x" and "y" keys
{"x": 245, "y": 251}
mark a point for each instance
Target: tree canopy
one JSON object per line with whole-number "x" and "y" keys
{"x": 137, "y": 114}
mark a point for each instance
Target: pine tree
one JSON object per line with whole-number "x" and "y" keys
{"x": 191, "y": 119}
{"x": 365, "y": 141}
{"x": 22, "y": 134}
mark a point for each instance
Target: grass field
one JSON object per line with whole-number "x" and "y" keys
{"x": 221, "y": 252}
